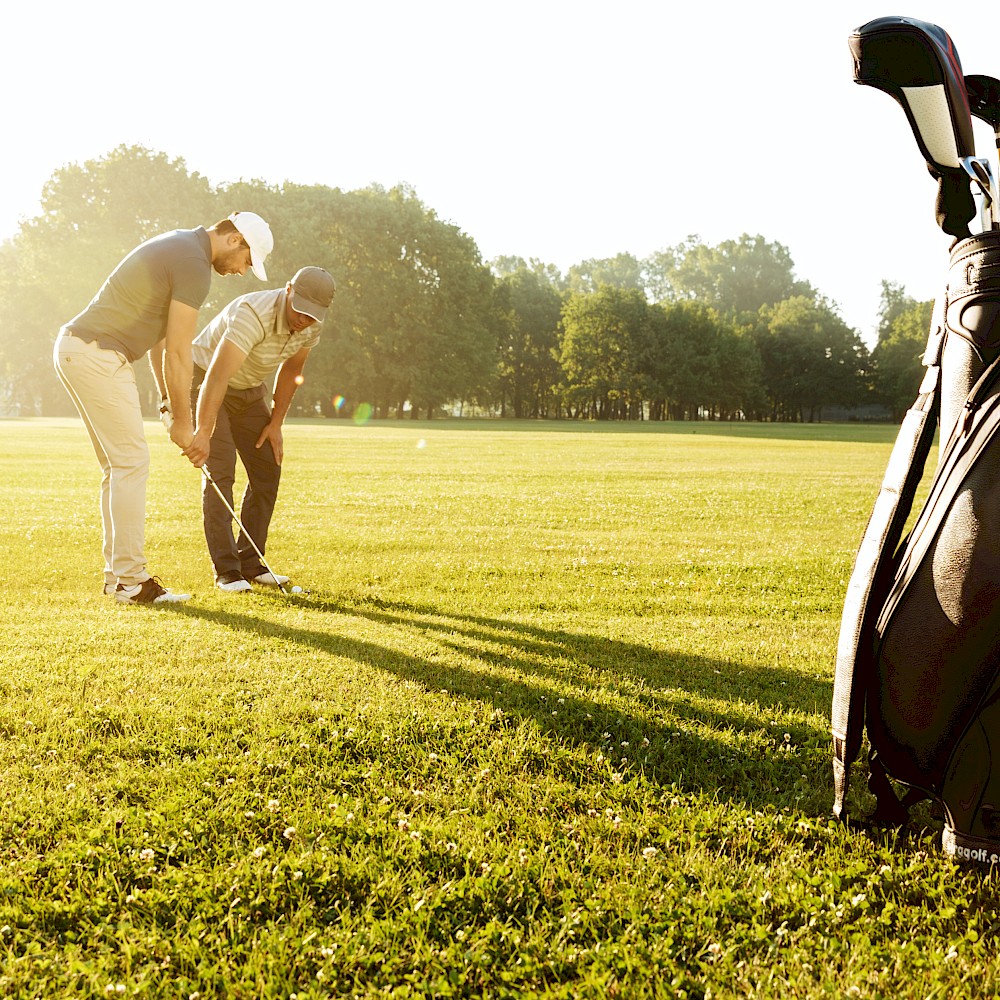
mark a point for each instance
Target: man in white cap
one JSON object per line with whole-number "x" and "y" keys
{"x": 255, "y": 336}
{"x": 148, "y": 305}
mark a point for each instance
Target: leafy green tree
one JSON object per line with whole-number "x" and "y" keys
{"x": 411, "y": 326}
{"x": 604, "y": 342}
{"x": 622, "y": 271}
{"x": 528, "y": 365}
{"x": 699, "y": 364}
{"x": 811, "y": 359}
{"x": 736, "y": 277}
{"x": 897, "y": 357}
{"x": 549, "y": 274}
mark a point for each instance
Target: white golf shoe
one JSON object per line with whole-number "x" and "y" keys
{"x": 148, "y": 592}
{"x": 270, "y": 579}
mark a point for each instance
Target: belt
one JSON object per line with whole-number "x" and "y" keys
{"x": 87, "y": 338}
{"x": 103, "y": 343}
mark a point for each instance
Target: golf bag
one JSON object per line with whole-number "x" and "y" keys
{"x": 918, "y": 661}
{"x": 918, "y": 657}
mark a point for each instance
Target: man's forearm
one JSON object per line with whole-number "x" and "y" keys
{"x": 213, "y": 392}
{"x": 288, "y": 380}
{"x": 156, "y": 366}
{"x": 177, "y": 371}
{"x": 282, "y": 401}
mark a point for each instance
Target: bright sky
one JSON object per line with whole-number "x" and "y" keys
{"x": 558, "y": 129}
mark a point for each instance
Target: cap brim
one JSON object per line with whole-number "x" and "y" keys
{"x": 257, "y": 266}
{"x": 303, "y": 305}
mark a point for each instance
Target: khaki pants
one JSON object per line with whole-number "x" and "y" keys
{"x": 101, "y": 383}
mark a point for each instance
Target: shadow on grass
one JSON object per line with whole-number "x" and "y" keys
{"x": 594, "y": 691}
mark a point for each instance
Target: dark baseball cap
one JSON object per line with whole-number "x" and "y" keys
{"x": 313, "y": 290}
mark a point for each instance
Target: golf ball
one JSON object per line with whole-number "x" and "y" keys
{"x": 296, "y": 590}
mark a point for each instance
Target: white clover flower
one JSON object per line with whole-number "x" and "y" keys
{"x": 289, "y": 833}
{"x": 146, "y": 854}
{"x": 273, "y": 805}
{"x": 651, "y": 852}
{"x": 258, "y": 852}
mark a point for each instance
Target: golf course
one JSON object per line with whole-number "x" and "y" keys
{"x": 549, "y": 718}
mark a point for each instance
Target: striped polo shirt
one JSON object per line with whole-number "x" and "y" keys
{"x": 256, "y": 324}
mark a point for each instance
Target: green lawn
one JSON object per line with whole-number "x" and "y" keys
{"x": 552, "y": 721}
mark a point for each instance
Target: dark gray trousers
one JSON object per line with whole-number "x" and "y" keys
{"x": 242, "y": 417}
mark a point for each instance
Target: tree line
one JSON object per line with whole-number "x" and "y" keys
{"x": 422, "y": 325}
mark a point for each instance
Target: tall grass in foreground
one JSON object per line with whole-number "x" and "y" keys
{"x": 553, "y": 721}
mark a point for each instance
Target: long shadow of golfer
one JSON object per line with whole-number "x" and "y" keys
{"x": 528, "y": 671}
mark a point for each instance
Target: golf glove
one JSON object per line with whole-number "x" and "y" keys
{"x": 166, "y": 415}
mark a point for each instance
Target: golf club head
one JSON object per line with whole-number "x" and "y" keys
{"x": 246, "y": 534}
{"x": 916, "y": 63}
{"x": 984, "y": 98}
{"x": 981, "y": 175}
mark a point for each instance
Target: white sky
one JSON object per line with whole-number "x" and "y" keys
{"x": 556, "y": 129}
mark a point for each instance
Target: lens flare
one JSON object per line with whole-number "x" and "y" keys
{"x": 299, "y": 379}
{"x": 338, "y": 403}
{"x": 363, "y": 413}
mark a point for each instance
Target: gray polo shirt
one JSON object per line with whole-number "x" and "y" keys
{"x": 129, "y": 313}
{"x": 256, "y": 324}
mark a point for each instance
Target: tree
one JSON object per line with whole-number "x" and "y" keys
{"x": 698, "y": 364}
{"x": 623, "y": 271}
{"x": 811, "y": 358}
{"x": 528, "y": 349}
{"x": 735, "y": 278}
{"x": 897, "y": 357}
{"x": 603, "y": 344}
{"x": 412, "y": 325}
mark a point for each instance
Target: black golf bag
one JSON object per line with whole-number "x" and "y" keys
{"x": 918, "y": 659}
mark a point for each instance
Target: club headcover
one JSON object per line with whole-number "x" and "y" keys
{"x": 917, "y": 64}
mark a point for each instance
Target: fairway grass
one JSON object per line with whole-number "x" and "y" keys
{"x": 551, "y": 721}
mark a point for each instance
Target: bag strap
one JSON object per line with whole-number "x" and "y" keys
{"x": 871, "y": 577}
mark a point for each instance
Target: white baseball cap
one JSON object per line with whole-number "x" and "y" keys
{"x": 257, "y": 233}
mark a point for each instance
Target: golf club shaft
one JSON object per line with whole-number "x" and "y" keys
{"x": 235, "y": 517}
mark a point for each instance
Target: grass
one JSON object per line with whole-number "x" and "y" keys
{"x": 552, "y": 721}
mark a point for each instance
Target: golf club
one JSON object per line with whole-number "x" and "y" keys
{"x": 981, "y": 175}
{"x": 167, "y": 419}
{"x": 984, "y": 103}
{"x": 916, "y": 63}
{"x": 235, "y": 517}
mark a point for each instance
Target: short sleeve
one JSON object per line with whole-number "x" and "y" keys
{"x": 190, "y": 281}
